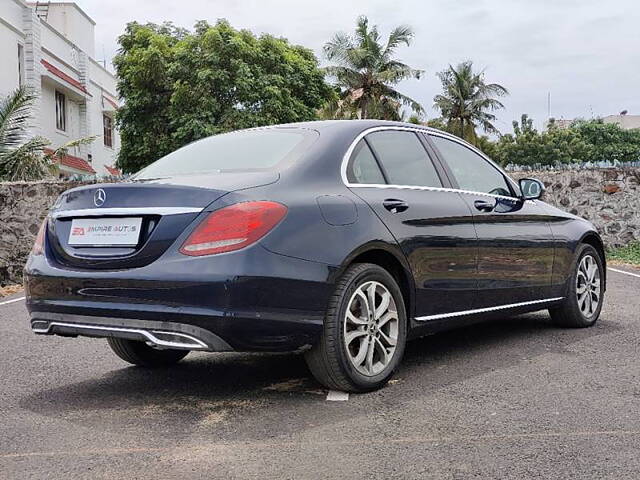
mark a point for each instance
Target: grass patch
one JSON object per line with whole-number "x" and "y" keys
{"x": 627, "y": 254}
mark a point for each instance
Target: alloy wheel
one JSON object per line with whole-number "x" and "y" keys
{"x": 371, "y": 328}
{"x": 588, "y": 286}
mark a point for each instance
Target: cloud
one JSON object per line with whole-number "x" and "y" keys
{"x": 586, "y": 57}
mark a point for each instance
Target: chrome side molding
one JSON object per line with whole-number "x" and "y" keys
{"x": 462, "y": 313}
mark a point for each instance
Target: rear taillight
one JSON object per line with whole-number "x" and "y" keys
{"x": 233, "y": 227}
{"x": 38, "y": 245}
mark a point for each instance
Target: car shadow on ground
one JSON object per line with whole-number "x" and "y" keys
{"x": 213, "y": 387}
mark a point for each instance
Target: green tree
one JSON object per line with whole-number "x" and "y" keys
{"x": 528, "y": 147}
{"x": 415, "y": 119}
{"x": 366, "y": 72}
{"x": 23, "y": 158}
{"x": 488, "y": 147}
{"x": 608, "y": 141}
{"x": 180, "y": 86}
{"x": 467, "y": 101}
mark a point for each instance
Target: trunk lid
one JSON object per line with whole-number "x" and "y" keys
{"x": 128, "y": 225}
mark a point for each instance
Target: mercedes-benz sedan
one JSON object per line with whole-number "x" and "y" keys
{"x": 342, "y": 239}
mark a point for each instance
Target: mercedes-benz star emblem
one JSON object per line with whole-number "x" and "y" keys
{"x": 99, "y": 197}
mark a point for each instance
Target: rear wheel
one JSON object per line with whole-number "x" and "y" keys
{"x": 364, "y": 332}
{"x": 139, "y": 353}
{"x": 585, "y": 293}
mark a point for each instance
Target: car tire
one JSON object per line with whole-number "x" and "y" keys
{"x": 139, "y": 353}
{"x": 339, "y": 365}
{"x": 577, "y": 309}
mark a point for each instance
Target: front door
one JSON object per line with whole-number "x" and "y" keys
{"x": 515, "y": 242}
{"x": 393, "y": 173}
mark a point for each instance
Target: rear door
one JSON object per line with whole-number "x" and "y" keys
{"x": 392, "y": 171}
{"x": 515, "y": 242}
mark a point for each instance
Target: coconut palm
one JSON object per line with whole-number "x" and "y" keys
{"x": 366, "y": 72}
{"x": 20, "y": 158}
{"x": 23, "y": 158}
{"x": 467, "y": 101}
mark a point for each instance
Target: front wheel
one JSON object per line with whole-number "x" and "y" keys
{"x": 585, "y": 293}
{"x": 139, "y": 353}
{"x": 364, "y": 334}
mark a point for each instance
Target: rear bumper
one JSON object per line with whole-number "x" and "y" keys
{"x": 257, "y": 301}
{"x": 156, "y": 334}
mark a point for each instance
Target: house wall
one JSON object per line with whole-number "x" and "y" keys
{"x": 102, "y": 84}
{"x": 68, "y": 19}
{"x": 48, "y": 116}
{"x": 625, "y": 121}
{"x": 66, "y": 41}
{"x": 11, "y": 36}
{"x": 59, "y": 47}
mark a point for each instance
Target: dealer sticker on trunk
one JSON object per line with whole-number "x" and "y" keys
{"x": 102, "y": 232}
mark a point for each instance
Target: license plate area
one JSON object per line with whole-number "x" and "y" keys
{"x": 105, "y": 232}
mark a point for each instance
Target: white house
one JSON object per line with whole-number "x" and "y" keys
{"x": 49, "y": 46}
{"x": 625, "y": 121}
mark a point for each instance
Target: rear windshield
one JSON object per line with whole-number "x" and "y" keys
{"x": 245, "y": 150}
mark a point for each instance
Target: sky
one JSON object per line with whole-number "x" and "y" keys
{"x": 585, "y": 54}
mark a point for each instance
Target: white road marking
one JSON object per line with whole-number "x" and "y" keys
{"x": 622, "y": 271}
{"x": 335, "y": 396}
{"x": 13, "y": 300}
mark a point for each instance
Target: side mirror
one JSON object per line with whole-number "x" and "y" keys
{"x": 531, "y": 188}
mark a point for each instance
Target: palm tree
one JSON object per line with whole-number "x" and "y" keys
{"x": 366, "y": 72}
{"x": 23, "y": 158}
{"x": 20, "y": 159}
{"x": 467, "y": 101}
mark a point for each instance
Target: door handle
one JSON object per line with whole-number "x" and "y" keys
{"x": 395, "y": 205}
{"x": 484, "y": 206}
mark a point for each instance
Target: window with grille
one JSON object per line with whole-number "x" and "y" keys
{"x": 20, "y": 65}
{"x": 107, "y": 122}
{"x": 61, "y": 111}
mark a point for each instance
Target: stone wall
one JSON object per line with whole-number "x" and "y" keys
{"x": 23, "y": 206}
{"x": 608, "y": 198}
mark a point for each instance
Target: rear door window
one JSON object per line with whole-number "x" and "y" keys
{"x": 403, "y": 158}
{"x": 363, "y": 167}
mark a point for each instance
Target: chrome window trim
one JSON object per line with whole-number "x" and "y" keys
{"x": 364, "y": 133}
{"x": 125, "y": 211}
{"x": 484, "y": 310}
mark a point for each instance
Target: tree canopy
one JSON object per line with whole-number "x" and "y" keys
{"x": 366, "y": 71}
{"x": 467, "y": 101}
{"x": 584, "y": 141}
{"x": 179, "y": 86}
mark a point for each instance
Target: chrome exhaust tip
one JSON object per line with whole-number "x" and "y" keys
{"x": 160, "y": 339}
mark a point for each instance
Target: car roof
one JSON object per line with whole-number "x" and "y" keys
{"x": 351, "y": 124}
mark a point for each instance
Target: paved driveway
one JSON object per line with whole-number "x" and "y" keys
{"x": 516, "y": 398}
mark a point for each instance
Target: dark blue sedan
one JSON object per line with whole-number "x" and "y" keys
{"x": 342, "y": 239}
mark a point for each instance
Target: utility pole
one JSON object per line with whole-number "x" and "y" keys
{"x": 548, "y": 106}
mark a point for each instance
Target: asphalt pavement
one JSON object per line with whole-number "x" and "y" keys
{"x": 513, "y": 398}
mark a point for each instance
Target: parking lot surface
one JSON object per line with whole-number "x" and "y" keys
{"x": 514, "y": 398}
